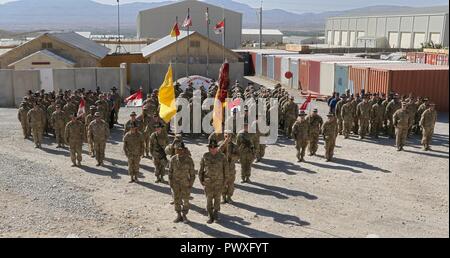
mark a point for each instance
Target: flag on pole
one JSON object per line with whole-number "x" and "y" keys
{"x": 188, "y": 21}
{"x": 221, "y": 96}
{"x": 175, "y": 31}
{"x": 81, "y": 108}
{"x": 134, "y": 100}
{"x": 218, "y": 29}
{"x": 167, "y": 97}
{"x": 306, "y": 103}
{"x": 234, "y": 105}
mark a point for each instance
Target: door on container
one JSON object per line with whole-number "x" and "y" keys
{"x": 47, "y": 79}
{"x": 341, "y": 79}
{"x": 405, "y": 41}
{"x": 294, "y": 69}
{"x": 314, "y": 76}
{"x": 352, "y": 39}
{"x": 419, "y": 38}
{"x": 270, "y": 67}
{"x": 258, "y": 64}
{"x": 393, "y": 39}
{"x": 277, "y": 70}
{"x": 284, "y": 70}
{"x": 264, "y": 66}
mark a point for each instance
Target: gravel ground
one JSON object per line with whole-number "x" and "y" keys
{"x": 369, "y": 190}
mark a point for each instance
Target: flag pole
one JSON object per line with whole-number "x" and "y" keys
{"x": 176, "y": 52}
{"x": 223, "y": 34}
{"x": 207, "y": 51}
{"x": 188, "y": 43}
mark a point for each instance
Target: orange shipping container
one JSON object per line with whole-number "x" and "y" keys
{"x": 357, "y": 78}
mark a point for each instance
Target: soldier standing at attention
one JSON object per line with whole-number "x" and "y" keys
{"x": 157, "y": 148}
{"x": 231, "y": 152}
{"x": 290, "y": 115}
{"x": 74, "y": 136}
{"x": 315, "y": 123}
{"x": 22, "y": 116}
{"x": 300, "y": 133}
{"x": 213, "y": 175}
{"x": 50, "y": 110}
{"x": 129, "y": 123}
{"x": 117, "y": 102}
{"x": 59, "y": 121}
{"x": 401, "y": 123}
{"x": 181, "y": 180}
{"x": 376, "y": 119}
{"x": 391, "y": 108}
{"x": 98, "y": 133}
{"x": 87, "y": 121}
{"x": 363, "y": 113}
{"x": 247, "y": 150}
{"x": 330, "y": 132}
{"x": 36, "y": 120}
{"x": 133, "y": 146}
{"x": 427, "y": 123}
{"x": 338, "y": 112}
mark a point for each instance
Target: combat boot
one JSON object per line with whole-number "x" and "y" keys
{"x": 224, "y": 199}
{"x": 216, "y": 216}
{"x": 185, "y": 219}
{"x": 79, "y": 163}
{"x": 211, "y": 218}
{"x": 178, "y": 218}
{"x": 229, "y": 200}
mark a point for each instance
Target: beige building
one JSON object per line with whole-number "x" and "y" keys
{"x": 164, "y": 50}
{"x": 156, "y": 23}
{"x": 61, "y": 50}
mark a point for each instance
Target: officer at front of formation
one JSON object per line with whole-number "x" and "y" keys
{"x": 401, "y": 123}
{"x": 213, "y": 175}
{"x": 315, "y": 123}
{"x": 158, "y": 145}
{"x": 247, "y": 149}
{"x": 74, "y": 136}
{"x": 330, "y": 132}
{"x": 133, "y": 146}
{"x": 300, "y": 134}
{"x": 98, "y": 133}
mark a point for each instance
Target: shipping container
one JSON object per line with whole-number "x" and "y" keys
{"x": 314, "y": 77}
{"x": 284, "y": 69}
{"x": 411, "y": 57}
{"x": 442, "y": 59}
{"x": 431, "y": 58}
{"x": 277, "y": 69}
{"x": 264, "y": 66}
{"x": 303, "y": 73}
{"x": 258, "y": 64}
{"x": 270, "y": 67}
{"x": 341, "y": 78}
{"x": 253, "y": 62}
{"x": 294, "y": 65}
{"x": 421, "y": 58}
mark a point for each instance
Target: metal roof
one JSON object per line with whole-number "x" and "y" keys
{"x": 82, "y": 43}
{"x": 264, "y": 32}
{"x": 47, "y": 53}
{"x": 407, "y": 11}
{"x": 164, "y": 42}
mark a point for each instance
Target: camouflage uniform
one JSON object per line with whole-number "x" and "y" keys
{"x": 330, "y": 132}
{"x": 247, "y": 150}
{"x": 181, "y": 179}
{"x": 87, "y": 121}
{"x": 401, "y": 122}
{"x": 391, "y": 108}
{"x": 59, "y": 121}
{"x": 98, "y": 133}
{"x": 363, "y": 113}
{"x": 231, "y": 152}
{"x": 133, "y": 146}
{"x": 157, "y": 148}
{"x": 315, "y": 122}
{"x": 427, "y": 123}
{"x": 300, "y": 133}
{"x": 74, "y": 136}
{"x": 348, "y": 114}
{"x": 376, "y": 119}
{"x": 36, "y": 120}
{"x": 22, "y": 116}
{"x": 340, "y": 120}
{"x": 213, "y": 174}
{"x": 290, "y": 115}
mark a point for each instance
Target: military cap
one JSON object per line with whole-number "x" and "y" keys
{"x": 58, "y": 106}
{"x": 213, "y": 144}
{"x": 292, "y": 97}
{"x": 245, "y": 108}
{"x": 301, "y": 113}
{"x": 343, "y": 96}
{"x": 113, "y": 89}
{"x": 315, "y": 110}
{"x": 426, "y": 99}
{"x": 97, "y": 114}
{"x": 93, "y": 107}
{"x": 133, "y": 114}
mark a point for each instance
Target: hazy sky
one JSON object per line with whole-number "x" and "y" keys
{"x": 302, "y": 6}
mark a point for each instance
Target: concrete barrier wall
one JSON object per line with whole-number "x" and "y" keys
{"x": 86, "y": 78}
{"x": 6, "y": 88}
{"x": 108, "y": 78}
{"x": 139, "y": 77}
{"x": 24, "y": 80}
{"x": 64, "y": 79}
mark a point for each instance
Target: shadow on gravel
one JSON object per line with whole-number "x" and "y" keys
{"x": 332, "y": 167}
{"x": 277, "y": 192}
{"x": 281, "y": 166}
{"x": 166, "y": 189}
{"x": 96, "y": 171}
{"x": 231, "y": 222}
{"x": 431, "y": 153}
{"x": 277, "y": 217}
{"x": 359, "y": 164}
{"x": 211, "y": 231}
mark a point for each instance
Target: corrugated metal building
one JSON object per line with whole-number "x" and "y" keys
{"x": 268, "y": 36}
{"x": 157, "y": 22}
{"x": 406, "y": 30}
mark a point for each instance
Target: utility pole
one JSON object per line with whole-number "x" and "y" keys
{"x": 119, "y": 46}
{"x": 260, "y": 24}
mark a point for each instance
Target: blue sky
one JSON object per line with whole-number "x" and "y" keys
{"x": 302, "y": 6}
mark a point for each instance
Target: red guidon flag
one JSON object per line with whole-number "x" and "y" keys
{"x": 135, "y": 100}
{"x": 306, "y": 103}
{"x": 81, "y": 108}
{"x": 218, "y": 29}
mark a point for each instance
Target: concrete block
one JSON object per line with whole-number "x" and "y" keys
{"x": 64, "y": 79}
{"x": 6, "y": 88}
{"x": 24, "y": 80}
{"x": 85, "y": 78}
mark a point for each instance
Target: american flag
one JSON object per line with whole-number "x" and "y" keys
{"x": 187, "y": 22}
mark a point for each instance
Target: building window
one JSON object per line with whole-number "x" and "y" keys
{"x": 195, "y": 43}
{"x": 47, "y": 45}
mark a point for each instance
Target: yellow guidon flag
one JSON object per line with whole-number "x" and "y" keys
{"x": 167, "y": 98}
